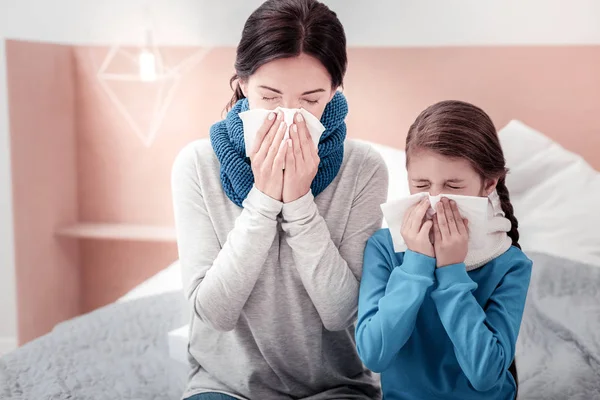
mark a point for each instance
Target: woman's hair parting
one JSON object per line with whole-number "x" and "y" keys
{"x": 458, "y": 129}
{"x": 287, "y": 28}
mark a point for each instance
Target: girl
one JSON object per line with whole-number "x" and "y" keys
{"x": 434, "y": 325}
{"x": 272, "y": 257}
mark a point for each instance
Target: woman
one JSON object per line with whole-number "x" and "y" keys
{"x": 271, "y": 250}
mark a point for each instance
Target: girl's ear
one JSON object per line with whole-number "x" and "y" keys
{"x": 490, "y": 185}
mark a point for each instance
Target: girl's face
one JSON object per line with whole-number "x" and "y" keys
{"x": 297, "y": 82}
{"x": 431, "y": 172}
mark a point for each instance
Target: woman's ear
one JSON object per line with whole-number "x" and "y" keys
{"x": 333, "y": 92}
{"x": 490, "y": 186}
{"x": 243, "y": 84}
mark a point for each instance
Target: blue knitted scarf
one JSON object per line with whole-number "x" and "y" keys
{"x": 227, "y": 138}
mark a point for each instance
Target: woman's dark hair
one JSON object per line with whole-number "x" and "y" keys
{"x": 287, "y": 28}
{"x": 461, "y": 130}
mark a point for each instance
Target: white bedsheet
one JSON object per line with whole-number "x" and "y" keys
{"x": 167, "y": 280}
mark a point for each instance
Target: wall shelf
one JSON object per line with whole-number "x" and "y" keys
{"x": 117, "y": 231}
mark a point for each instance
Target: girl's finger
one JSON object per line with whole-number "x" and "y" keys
{"x": 442, "y": 221}
{"x": 406, "y": 223}
{"x": 419, "y": 214}
{"x": 426, "y": 228}
{"x": 437, "y": 234}
{"x": 449, "y": 216}
{"x": 263, "y": 131}
{"x": 460, "y": 224}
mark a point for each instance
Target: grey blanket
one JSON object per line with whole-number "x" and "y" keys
{"x": 558, "y": 352}
{"x": 117, "y": 352}
{"x": 121, "y": 352}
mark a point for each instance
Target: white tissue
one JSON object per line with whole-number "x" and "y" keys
{"x": 253, "y": 120}
{"x": 474, "y": 209}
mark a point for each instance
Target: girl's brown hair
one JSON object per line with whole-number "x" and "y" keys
{"x": 458, "y": 129}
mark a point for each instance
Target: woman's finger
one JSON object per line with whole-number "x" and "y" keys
{"x": 263, "y": 131}
{"x": 305, "y": 140}
{"x": 296, "y": 146}
{"x": 290, "y": 162}
{"x": 267, "y": 140}
{"x": 442, "y": 221}
{"x": 276, "y": 144}
{"x": 280, "y": 158}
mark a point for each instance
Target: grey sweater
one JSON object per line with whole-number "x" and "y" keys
{"x": 274, "y": 286}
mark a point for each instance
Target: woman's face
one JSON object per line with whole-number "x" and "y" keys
{"x": 297, "y": 82}
{"x": 431, "y": 172}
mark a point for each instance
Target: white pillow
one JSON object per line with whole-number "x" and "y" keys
{"x": 555, "y": 193}
{"x": 166, "y": 280}
{"x": 395, "y": 160}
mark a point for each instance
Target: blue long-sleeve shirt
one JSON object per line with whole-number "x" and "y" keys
{"x": 440, "y": 332}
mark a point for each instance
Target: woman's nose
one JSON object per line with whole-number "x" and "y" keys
{"x": 289, "y": 103}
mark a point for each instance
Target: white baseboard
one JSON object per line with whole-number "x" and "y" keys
{"x": 7, "y": 344}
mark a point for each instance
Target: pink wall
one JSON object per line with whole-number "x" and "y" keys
{"x": 554, "y": 89}
{"x": 42, "y": 122}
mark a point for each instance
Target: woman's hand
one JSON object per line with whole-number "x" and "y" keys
{"x": 268, "y": 156}
{"x": 416, "y": 232}
{"x": 450, "y": 234}
{"x": 301, "y": 162}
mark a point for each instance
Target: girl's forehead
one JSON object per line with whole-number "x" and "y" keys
{"x": 427, "y": 164}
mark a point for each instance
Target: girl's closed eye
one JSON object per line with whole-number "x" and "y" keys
{"x": 311, "y": 102}
{"x": 266, "y": 98}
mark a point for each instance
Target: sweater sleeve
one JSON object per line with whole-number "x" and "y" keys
{"x": 330, "y": 274}
{"x": 390, "y": 299}
{"x": 218, "y": 278}
{"x": 485, "y": 338}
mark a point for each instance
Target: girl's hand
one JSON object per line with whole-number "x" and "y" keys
{"x": 450, "y": 233}
{"x": 268, "y": 156}
{"x": 416, "y": 232}
{"x": 301, "y": 161}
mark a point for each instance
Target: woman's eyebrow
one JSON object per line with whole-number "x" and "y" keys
{"x": 313, "y": 91}
{"x": 271, "y": 89}
{"x": 319, "y": 90}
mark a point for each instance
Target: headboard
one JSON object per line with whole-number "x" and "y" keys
{"x": 111, "y": 176}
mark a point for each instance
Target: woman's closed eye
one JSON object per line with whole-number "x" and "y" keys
{"x": 266, "y": 98}
{"x": 309, "y": 101}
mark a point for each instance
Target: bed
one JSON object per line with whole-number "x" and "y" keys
{"x": 122, "y": 350}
